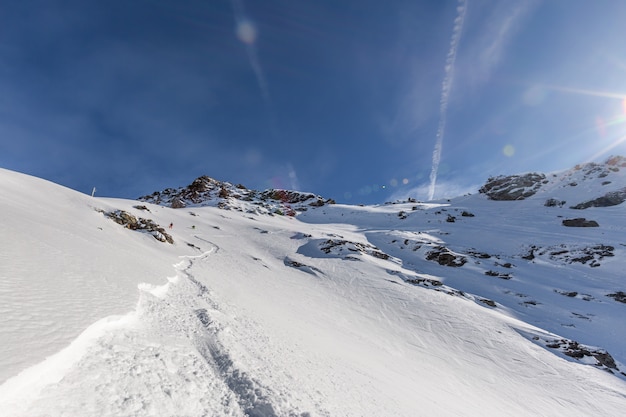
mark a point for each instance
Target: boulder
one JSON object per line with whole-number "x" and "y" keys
{"x": 580, "y": 222}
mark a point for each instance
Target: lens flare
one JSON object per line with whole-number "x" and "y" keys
{"x": 508, "y": 150}
{"x": 246, "y": 32}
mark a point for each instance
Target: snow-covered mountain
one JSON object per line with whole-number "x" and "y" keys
{"x": 280, "y": 303}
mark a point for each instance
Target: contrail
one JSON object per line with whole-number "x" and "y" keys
{"x": 446, "y": 86}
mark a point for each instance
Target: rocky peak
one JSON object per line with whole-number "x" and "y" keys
{"x": 606, "y": 182}
{"x": 206, "y": 191}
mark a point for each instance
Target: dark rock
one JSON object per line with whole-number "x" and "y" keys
{"x": 580, "y": 222}
{"x": 479, "y": 255}
{"x": 501, "y": 275}
{"x": 425, "y": 282}
{"x": 531, "y": 253}
{"x": 618, "y": 296}
{"x": 444, "y": 257}
{"x": 609, "y": 199}
{"x": 551, "y": 202}
{"x": 131, "y": 222}
{"x": 512, "y": 187}
{"x": 177, "y": 203}
{"x": 206, "y": 191}
{"x": 488, "y": 302}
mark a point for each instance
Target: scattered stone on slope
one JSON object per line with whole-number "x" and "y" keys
{"x": 513, "y": 187}
{"x": 477, "y": 254}
{"x": 302, "y": 267}
{"x": 607, "y": 200}
{"x": 618, "y": 296}
{"x": 580, "y": 222}
{"x": 569, "y": 254}
{"x": 131, "y": 222}
{"x": 501, "y": 275}
{"x": 570, "y": 294}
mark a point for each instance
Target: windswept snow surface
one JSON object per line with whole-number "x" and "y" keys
{"x": 256, "y": 315}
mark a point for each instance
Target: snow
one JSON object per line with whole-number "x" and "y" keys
{"x": 246, "y": 315}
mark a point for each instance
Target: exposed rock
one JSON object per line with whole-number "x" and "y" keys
{"x": 618, "y": 296}
{"x": 609, "y": 199}
{"x": 302, "y": 267}
{"x": 443, "y": 256}
{"x": 569, "y": 254}
{"x": 488, "y": 302}
{"x": 531, "y": 253}
{"x": 616, "y": 160}
{"x": 586, "y": 354}
{"x": 425, "y": 282}
{"x": 343, "y": 247}
{"x": 177, "y": 203}
{"x": 131, "y": 222}
{"x": 206, "y": 191}
{"x": 580, "y": 222}
{"x": 501, "y": 275}
{"x": 570, "y": 294}
{"x": 552, "y": 202}
{"x": 479, "y": 255}
{"x": 512, "y": 187}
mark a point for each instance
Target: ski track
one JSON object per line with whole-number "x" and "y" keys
{"x": 129, "y": 372}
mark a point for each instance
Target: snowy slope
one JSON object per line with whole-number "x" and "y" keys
{"x": 337, "y": 311}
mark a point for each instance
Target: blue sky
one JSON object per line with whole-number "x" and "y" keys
{"x": 347, "y": 99}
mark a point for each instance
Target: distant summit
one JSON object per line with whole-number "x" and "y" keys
{"x": 206, "y": 191}
{"x": 586, "y": 185}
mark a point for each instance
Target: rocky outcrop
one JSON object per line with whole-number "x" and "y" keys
{"x": 131, "y": 222}
{"x": 445, "y": 257}
{"x": 609, "y": 199}
{"x": 513, "y": 187}
{"x": 206, "y": 191}
{"x": 591, "y": 255}
{"x": 344, "y": 248}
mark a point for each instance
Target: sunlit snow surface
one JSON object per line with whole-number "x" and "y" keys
{"x": 278, "y": 316}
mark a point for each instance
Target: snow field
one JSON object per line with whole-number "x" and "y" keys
{"x": 258, "y": 322}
